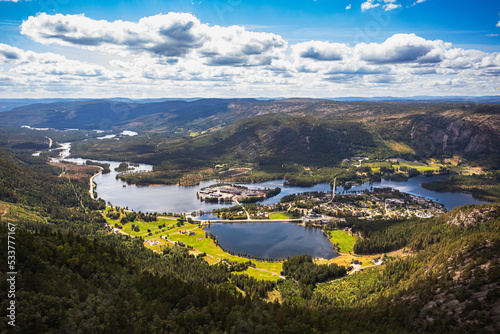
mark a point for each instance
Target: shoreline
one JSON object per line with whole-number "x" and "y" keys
{"x": 91, "y": 190}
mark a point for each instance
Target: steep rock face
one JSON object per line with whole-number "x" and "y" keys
{"x": 467, "y": 135}
{"x": 478, "y": 215}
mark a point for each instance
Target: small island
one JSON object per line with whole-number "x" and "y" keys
{"x": 235, "y": 193}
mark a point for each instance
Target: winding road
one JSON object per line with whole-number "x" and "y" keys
{"x": 91, "y": 190}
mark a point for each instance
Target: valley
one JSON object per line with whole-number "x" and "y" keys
{"x": 237, "y": 167}
{"x": 231, "y": 201}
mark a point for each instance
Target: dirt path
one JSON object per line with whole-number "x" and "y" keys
{"x": 270, "y": 272}
{"x": 352, "y": 272}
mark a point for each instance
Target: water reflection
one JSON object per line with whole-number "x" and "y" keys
{"x": 275, "y": 240}
{"x": 175, "y": 198}
{"x": 413, "y": 186}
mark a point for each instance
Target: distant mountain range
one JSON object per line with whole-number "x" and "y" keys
{"x": 9, "y": 104}
{"x": 297, "y": 129}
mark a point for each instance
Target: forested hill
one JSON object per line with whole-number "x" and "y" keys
{"x": 305, "y": 131}
{"x": 74, "y": 276}
{"x": 281, "y": 138}
{"x": 103, "y": 114}
{"x": 428, "y": 128}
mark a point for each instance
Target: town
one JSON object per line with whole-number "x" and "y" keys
{"x": 234, "y": 193}
{"x": 319, "y": 208}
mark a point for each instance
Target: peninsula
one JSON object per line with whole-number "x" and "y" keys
{"x": 235, "y": 193}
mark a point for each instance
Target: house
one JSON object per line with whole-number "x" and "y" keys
{"x": 153, "y": 242}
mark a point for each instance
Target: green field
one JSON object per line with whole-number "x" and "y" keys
{"x": 421, "y": 167}
{"x": 207, "y": 245}
{"x": 346, "y": 259}
{"x": 281, "y": 215}
{"x": 12, "y": 212}
{"x": 343, "y": 239}
{"x": 170, "y": 227}
{"x": 198, "y": 242}
{"x": 399, "y": 147}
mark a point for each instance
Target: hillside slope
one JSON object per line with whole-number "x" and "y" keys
{"x": 74, "y": 276}
{"x": 428, "y": 129}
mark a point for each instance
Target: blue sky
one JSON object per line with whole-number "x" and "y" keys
{"x": 233, "y": 48}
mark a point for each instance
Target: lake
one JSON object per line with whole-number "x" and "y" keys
{"x": 266, "y": 240}
{"x": 181, "y": 199}
{"x": 276, "y": 240}
{"x": 413, "y": 186}
{"x": 173, "y": 198}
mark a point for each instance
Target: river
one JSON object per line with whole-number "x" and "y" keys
{"x": 175, "y": 198}
{"x": 274, "y": 239}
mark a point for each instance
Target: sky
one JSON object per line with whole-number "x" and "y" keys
{"x": 243, "y": 48}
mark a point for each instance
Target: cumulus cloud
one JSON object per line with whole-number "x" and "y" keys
{"x": 391, "y": 6}
{"x": 318, "y": 50}
{"x": 368, "y": 5}
{"x": 402, "y": 48}
{"x": 176, "y": 53}
{"x": 9, "y": 53}
{"x": 361, "y": 70}
{"x": 32, "y": 63}
{"x": 387, "y": 5}
{"x": 348, "y": 7}
{"x": 169, "y": 35}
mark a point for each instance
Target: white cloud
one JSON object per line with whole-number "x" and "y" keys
{"x": 29, "y": 66}
{"x": 318, "y": 50}
{"x": 348, "y": 7}
{"x": 402, "y": 48}
{"x": 168, "y": 36}
{"x": 9, "y": 53}
{"x": 387, "y": 5}
{"x": 391, "y": 6}
{"x": 368, "y": 5}
{"x": 177, "y": 55}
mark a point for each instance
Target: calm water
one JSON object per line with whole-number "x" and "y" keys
{"x": 276, "y": 240}
{"x": 174, "y": 198}
{"x": 413, "y": 186}
{"x": 273, "y": 239}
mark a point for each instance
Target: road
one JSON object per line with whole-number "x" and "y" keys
{"x": 247, "y": 220}
{"x": 91, "y": 191}
{"x": 246, "y": 212}
{"x": 348, "y": 274}
{"x": 50, "y": 142}
{"x": 333, "y": 190}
